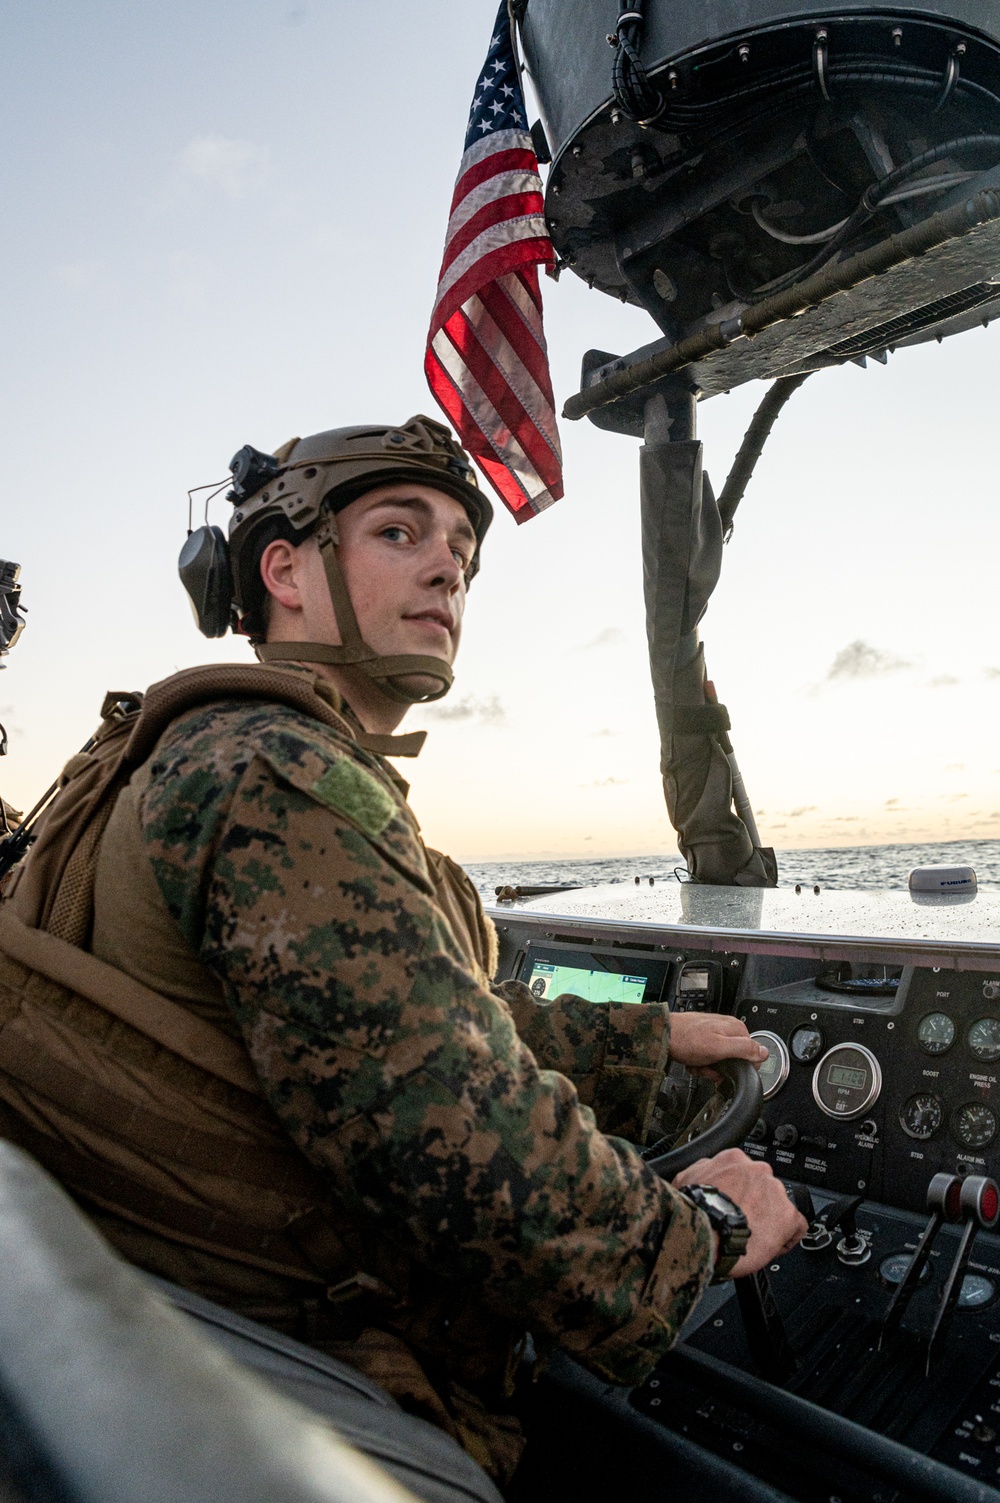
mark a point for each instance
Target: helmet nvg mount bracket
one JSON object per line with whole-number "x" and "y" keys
{"x": 303, "y": 485}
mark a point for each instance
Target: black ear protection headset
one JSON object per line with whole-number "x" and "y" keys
{"x": 204, "y": 565}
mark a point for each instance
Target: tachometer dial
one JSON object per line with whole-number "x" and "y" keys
{"x": 806, "y": 1044}
{"x": 847, "y": 1081}
{"x": 975, "y": 1125}
{"x": 984, "y": 1039}
{"x": 936, "y": 1033}
{"x": 921, "y": 1116}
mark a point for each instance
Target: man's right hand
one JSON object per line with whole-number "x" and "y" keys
{"x": 775, "y": 1225}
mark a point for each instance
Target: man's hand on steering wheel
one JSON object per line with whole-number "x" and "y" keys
{"x": 698, "y": 1039}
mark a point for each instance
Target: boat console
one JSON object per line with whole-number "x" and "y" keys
{"x": 866, "y": 1363}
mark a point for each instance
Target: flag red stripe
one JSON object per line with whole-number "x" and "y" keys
{"x": 512, "y": 206}
{"x": 450, "y": 399}
{"x": 489, "y": 377}
{"x": 532, "y": 353}
{"x": 502, "y": 344}
{"x": 497, "y": 263}
{"x": 517, "y": 160}
{"x": 487, "y": 435}
{"x": 517, "y": 502}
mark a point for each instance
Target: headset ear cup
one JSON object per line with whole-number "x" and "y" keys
{"x": 207, "y": 576}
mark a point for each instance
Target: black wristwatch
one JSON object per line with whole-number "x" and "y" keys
{"x": 728, "y": 1222}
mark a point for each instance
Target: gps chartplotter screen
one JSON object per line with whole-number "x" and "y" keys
{"x": 547, "y": 980}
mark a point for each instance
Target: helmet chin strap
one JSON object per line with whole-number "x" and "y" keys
{"x": 354, "y": 652}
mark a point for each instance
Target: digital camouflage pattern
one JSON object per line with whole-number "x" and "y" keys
{"x": 295, "y": 870}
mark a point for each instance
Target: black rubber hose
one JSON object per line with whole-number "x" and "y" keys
{"x": 752, "y": 446}
{"x": 868, "y": 207}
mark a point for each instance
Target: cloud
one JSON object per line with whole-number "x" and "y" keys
{"x": 860, "y": 659}
{"x": 943, "y": 681}
{"x": 955, "y": 767}
{"x": 891, "y": 802}
{"x": 798, "y": 813}
{"x": 605, "y": 783}
{"x": 221, "y": 162}
{"x": 992, "y": 672}
{"x": 604, "y": 732}
{"x": 485, "y": 711}
{"x": 606, "y": 638}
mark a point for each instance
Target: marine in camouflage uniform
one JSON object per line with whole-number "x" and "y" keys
{"x": 262, "y": 872}
{"x": 463, "y": 1160}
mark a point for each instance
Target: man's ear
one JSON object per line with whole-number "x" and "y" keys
{"x": 280, "y": 571}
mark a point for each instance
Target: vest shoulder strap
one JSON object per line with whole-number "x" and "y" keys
{"x": 54, "y": 890}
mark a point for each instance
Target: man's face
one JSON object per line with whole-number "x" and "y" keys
{"x": 403, "y": 551}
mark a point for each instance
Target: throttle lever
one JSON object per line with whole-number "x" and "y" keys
{"x": 839, "y": 1215}
{"x": 944, "y": 1201}
{"x": 980, "y": 1210}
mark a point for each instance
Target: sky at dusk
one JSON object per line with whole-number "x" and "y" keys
{"x": 223, "y": 225}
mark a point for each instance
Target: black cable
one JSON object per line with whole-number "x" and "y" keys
{"x": 752, "y": 447}
{"x": 800, "y": 80}
{"x": 639, "y": 99}
{"x": 869, "y": 205}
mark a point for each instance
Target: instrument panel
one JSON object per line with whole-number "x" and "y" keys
{"x": 875, "y": 1080}
{"x": 876, "y": 1098}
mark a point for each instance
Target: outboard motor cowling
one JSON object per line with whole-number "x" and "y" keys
{"x": 715, "y": 154}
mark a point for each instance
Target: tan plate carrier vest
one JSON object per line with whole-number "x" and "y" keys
{"x": 115, "y": 1089}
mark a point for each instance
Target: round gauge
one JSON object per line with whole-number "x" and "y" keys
{"x": 896, "y": 1266}
{"x": 847, "y": 1081}
{"x": 975, "y": 1125}
{"x": 921, "y": 1116}
{"x": 936, "y": 1033}
{"x": 774, "y": 1071}
{"x": 976, "y": 1292}
{"x": 806, "y": 1044}
{"x": 984, "y": 1039}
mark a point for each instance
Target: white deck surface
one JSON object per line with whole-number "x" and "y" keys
{"x": 914, "y": 926}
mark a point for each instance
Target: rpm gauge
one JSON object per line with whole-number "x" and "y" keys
{"x": 921, "y": 1116}
{"x": 984, "y": 1039}
{"x": 975, "y": 1125}
{"x": 936, "y": 1033}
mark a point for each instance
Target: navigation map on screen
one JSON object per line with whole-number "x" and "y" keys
{"x": 593, "y": 986}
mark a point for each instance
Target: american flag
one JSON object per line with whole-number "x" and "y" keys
{"x": 486, "y": 362}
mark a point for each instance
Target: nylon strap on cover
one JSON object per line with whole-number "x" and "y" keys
{"x": 700, "y": 720}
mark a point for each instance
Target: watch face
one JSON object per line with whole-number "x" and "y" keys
{"x": 716, "y": 1201}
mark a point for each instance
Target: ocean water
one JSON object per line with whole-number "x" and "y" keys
{"x": 862, "y": 866}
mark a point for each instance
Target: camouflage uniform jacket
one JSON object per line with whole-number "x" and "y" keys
{"x": 292, "y": 864}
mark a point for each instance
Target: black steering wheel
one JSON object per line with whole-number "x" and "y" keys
{"x": 740, "y": 1085}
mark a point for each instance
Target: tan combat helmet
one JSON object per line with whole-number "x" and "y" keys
{"x": 303, "y": 486}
